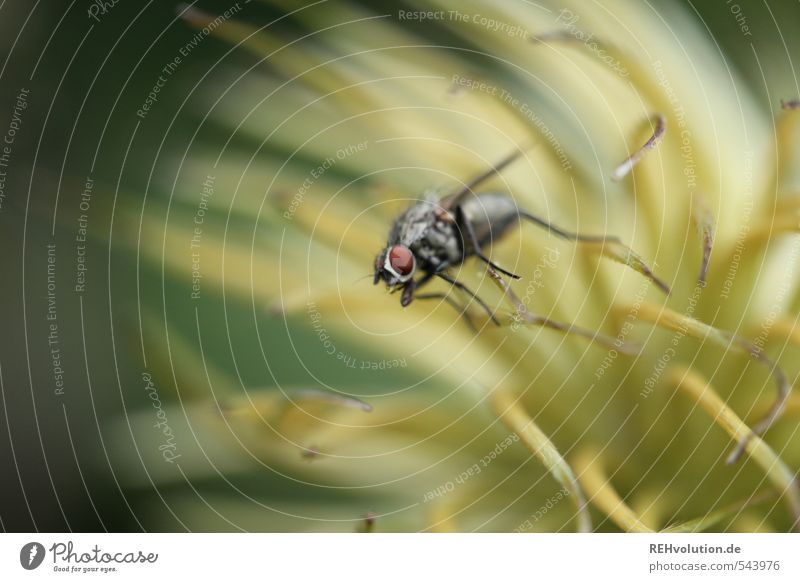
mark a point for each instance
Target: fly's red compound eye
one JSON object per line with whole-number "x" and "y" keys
{"x": 400, "y": 260}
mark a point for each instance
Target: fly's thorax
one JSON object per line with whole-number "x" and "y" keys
{"x": 431, "y": 234}
{"x": 440, "y": 244}
{"x": 412, "y": 224}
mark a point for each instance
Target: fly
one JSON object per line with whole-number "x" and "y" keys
{"x": 433, "y": 236}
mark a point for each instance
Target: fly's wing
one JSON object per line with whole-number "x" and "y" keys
{"x": 450, "y": 201}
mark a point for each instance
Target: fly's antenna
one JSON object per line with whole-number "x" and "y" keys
{"x": 454, "y": 199}
{"x": 367, "y": 276}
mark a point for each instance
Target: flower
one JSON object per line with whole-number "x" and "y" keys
{"x": 307, "y": 399}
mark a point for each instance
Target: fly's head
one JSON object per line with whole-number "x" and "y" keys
{"x": 395, "y": 266}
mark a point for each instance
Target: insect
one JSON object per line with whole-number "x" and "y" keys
{"x": 434, "y": 235}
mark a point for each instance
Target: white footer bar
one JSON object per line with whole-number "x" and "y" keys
{"x": 406, "y": 557}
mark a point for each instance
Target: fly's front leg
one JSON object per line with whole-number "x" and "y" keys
{"x": 466, "y": 226}
{"x": 408, "y": 293}
{"x": 408, "y": 290}
{"x": 460, "y": 285}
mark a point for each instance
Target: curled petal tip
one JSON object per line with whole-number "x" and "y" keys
{"x": 626, "y": 166}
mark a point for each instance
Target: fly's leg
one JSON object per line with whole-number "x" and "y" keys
{"x": 615, "y": 250}
{"x": 408, "y": 293}
{"x": 472, "y": 294}
{"x": 408, "y": 290}
{"x": 566, "y": 234}
{"x": 455, "y": 304}
{"x": 466, "y": 225}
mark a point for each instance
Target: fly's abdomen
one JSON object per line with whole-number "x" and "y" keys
{"x": 490, "y": 214}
